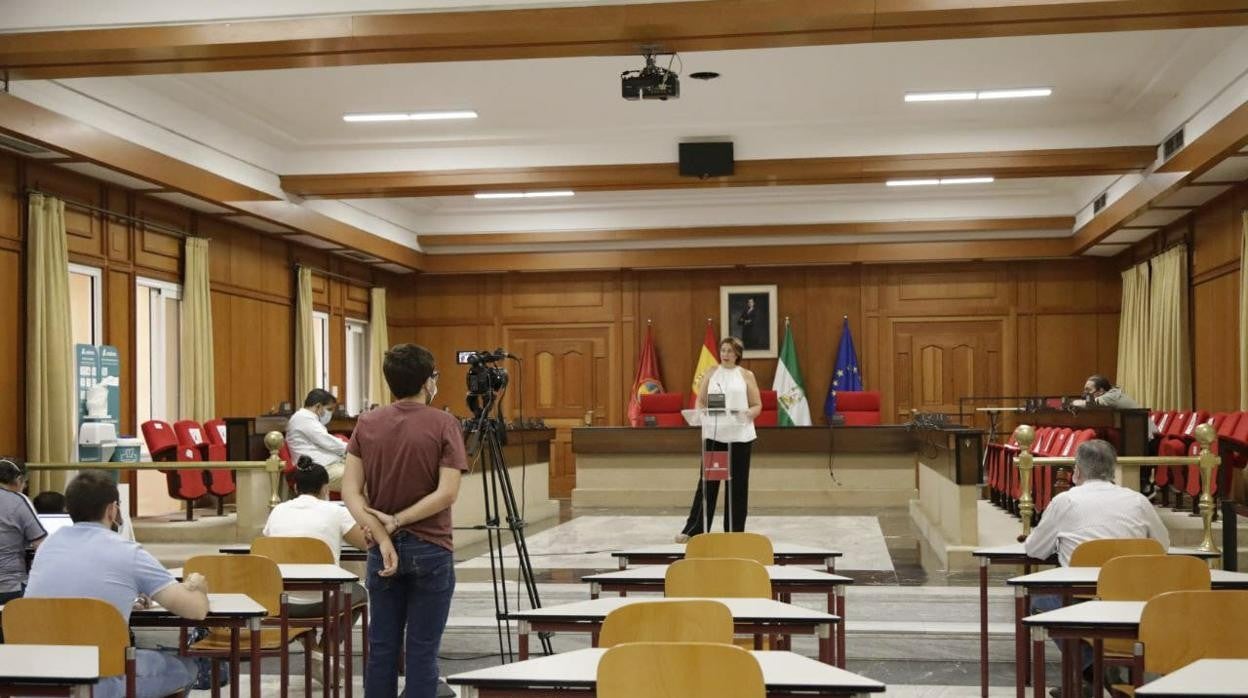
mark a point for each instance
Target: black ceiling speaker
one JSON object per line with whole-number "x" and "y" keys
{"x": 706, "y": 160}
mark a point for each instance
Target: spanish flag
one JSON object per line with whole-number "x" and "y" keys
{"x": 708, "y": 359}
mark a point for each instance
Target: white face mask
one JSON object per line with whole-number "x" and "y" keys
{"x": 326, "y": 416}
{"x": 431, "y": 391}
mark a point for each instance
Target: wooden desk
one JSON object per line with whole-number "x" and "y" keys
{"x": 785, "y": 581}
{"x": 1094, "y": 620}
{"x": 752, "y": 616}
{"x": 784, "y": 673}
{"x": 1069, "y": 581}
{"x": 1200, "y": 679}
{"x": 785, "y": 554}
{"x": 232, "y": 611}
{"x": 48, "y": 670}
{"x": 334, "y": 583}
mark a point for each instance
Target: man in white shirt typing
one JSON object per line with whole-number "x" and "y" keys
{"x": 306, "y": 435}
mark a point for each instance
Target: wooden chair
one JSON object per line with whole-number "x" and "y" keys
{"x": 69, "y": 621}
{"x": 1142, "y": 577}
{"x": 259, "y": 578}
{"x": 1095, "y": 553}
{"x": 297, "y": 550}
{"x": 724, "y": 578}
{"x": 679, "y": 669}
{"x": 718, "y": 578}
{"x": 1179, "y": 627}
{"x": 668, "y": 621}
{"x": 748, "y": 546}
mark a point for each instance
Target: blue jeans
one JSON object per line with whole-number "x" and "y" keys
{"x": 413, "y": 605}
{"x": 157, "y": 674}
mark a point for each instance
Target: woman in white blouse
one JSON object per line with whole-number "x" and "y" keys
{"x": 740, "y": 391}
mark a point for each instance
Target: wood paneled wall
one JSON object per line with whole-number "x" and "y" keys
{"x": 252, "y": 282}
{"x": 1214, "y": 234}
{"x": 1058, "y": 321}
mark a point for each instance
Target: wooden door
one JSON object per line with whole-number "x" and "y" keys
{"x": 937, "y": 362}
{"x": 565, "y": 382}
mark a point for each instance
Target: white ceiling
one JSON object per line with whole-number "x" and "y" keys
{"x": 1127, "y": 88}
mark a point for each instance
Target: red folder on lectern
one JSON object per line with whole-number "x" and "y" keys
{"x": 715, "y": 465}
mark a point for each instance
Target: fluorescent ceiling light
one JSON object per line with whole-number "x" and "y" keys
{"x": 912, "y": 182}
{"x": 941, "y": 96}
{"x": 934, "y": 182}
{"x": 1015, "y": 94}
{"x": 412, "y": 116}
{"x": 967, "y": 180}
{"x": 971, "y": 95}
{"x": 522, "y": 194}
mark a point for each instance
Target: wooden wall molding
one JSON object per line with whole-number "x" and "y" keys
{"x": 1064, "y": 162}
{"x": 430, "y": 242}
{"x": 776, "y": 255}
{"x": 367, "y": 39}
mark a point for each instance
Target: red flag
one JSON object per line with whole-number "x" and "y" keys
{"x": 646, "y": 382}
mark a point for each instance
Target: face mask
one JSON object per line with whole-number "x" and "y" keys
{"x": 431, "y": 390}
{"x": 326, "y": 416}
{"x": 115, "y": 526}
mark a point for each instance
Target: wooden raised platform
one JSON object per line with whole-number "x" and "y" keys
{"x": 790, "y": 467}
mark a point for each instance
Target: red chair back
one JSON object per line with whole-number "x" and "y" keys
{"x": 162, "y": 442}
{"x": 665, "y": 408}
{"x": 770, "y": 416}
{"x": 214, "y": 431}
{"x": 859, "y": 407}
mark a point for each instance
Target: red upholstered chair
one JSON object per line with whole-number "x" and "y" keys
{"x": 860, "y": 408}
{"x": 162, "y": 442}
{"x": 187, "y": 485}
{"x": 1225, "y": 424}
{"x": 214, "y": 431}
{"x": 665, "y": 408}
{"x": 1174, "y": 441}
{"x": 220, "y": 482}
{"x": 770, "y": 416}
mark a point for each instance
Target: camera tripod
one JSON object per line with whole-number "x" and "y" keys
{"x": 500, "y": 498}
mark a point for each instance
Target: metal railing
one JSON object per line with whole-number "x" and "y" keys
{"x": 273, "y": 465}
{"x": 1206, "y": 461}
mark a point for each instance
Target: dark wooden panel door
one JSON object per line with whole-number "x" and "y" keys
{"x": 940, "y": 361}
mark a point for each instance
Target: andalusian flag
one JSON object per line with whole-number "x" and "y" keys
{"x": 791, "y": 396}
{"x": 708, "y": 359}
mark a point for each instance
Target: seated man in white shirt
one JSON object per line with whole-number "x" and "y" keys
{"x": 1094, "y": 508}
{"x": 306, "y": 435}
{"x": 309, "y": 515}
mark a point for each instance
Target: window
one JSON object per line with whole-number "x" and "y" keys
{"x": 158, "y": 328}
{"x": 85, "y": 304}
{"x": 320, "y": 347}
{"x": 357, "y": 367}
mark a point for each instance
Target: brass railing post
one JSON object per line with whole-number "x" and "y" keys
{"x": 1026, "y": 436}
{"x": 1208, "y": 461}
{"x": 273, "y": 466}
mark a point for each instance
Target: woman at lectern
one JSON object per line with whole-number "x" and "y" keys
{"x": 740, "y": 392}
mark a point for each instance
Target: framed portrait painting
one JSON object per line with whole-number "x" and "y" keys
{"x": 749, "y": 313}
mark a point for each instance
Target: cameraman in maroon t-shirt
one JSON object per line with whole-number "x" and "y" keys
{"x": 404, "y": 464}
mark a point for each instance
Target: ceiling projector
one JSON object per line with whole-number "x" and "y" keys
{"x": 650, "y": 82}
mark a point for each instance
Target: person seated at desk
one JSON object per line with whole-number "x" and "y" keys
{"x": 49, "y": 502}
{"x": 306, "y": 435}
{"x": 1097, "y": 390}
{"x": 89, "y": 560}
{"x": 20, "y": 529}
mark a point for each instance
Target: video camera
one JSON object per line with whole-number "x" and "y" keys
{"x": 484, "y": 377}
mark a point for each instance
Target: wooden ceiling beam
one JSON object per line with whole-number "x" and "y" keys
{"x": 318, "y": 225}
{"x": 600, "y": 30}
{"x": 431, "y": 242}
{"x": 1066, "y": 162}
{"x": 774, "y": 255}
{"x": 1219, "y": 142}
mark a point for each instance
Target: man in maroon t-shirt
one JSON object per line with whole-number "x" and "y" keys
{"x": 403, "y": 469}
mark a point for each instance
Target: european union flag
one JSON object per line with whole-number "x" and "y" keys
{"x": 845, "y": 376}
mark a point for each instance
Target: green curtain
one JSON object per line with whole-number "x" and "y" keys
{"x": 198, "y": 387}
{"x": 50, "y": 406}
